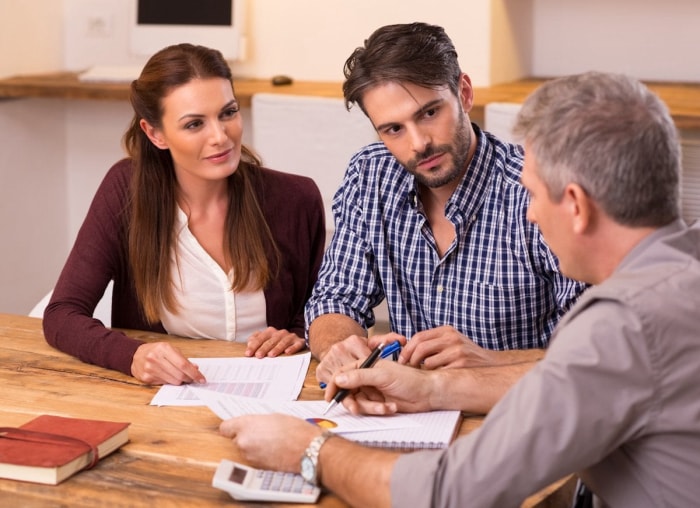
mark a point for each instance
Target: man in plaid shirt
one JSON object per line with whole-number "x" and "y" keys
{"x": 433, "y": 218}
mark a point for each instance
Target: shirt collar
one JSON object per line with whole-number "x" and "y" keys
{"x": 674, "y": 227}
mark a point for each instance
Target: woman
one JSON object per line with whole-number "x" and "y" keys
{"x": 199, "y": 240}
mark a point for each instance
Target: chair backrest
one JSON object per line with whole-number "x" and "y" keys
{"x": 499, "y": 118}
{"x": 311, "y": 136}
{"x": 103, "y": 311}
{"x": 315, "y": 137}
{"x": 38, "y": 310}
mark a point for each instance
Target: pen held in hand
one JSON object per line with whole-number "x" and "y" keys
{"x": 341, "y": 394}
{"x": 389, "y": 350}
{"x": 386, "y": 353}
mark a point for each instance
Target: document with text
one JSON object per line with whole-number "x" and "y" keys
{"x": 279, "y": 378}
{"x": 338, "y": 420}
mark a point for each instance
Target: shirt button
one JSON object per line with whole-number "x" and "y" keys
{"x": 440, "y": 289}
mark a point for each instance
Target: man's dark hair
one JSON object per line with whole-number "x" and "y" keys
{"x": 416, "y": 53}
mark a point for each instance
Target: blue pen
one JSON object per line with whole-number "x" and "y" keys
{"x": 390, "y": 350}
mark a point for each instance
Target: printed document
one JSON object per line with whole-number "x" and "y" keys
{"x": 338, "y": 420}
{"x": 279, "y": 378}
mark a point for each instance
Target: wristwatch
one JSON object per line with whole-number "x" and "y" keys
{"x": 309, "y": 461}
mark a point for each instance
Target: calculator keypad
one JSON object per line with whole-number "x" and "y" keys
{"x": 283, "y": 482}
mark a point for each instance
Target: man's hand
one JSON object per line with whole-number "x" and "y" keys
{"x": 273, "y": 342}
{"x": 445, "y": 347}
{"x": 342, "y": 353}
{"x": 386, "y": 339}
{"x": 271, "y": 441}
{"x": 386, "y": 388}
{"x": 158, "y": 363}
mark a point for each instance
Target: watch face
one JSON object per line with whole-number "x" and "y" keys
{"x": 308, "y": 469}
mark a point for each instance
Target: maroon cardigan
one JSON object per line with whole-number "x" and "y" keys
{"x": 293, "y": 209}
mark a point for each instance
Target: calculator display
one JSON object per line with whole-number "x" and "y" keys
{"x": 238, "y": 475}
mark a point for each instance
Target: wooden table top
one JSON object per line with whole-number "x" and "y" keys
{"x": 683, "y": 99}
{"x": 172, "y": 451}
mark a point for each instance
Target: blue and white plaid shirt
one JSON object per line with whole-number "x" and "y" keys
{"x": 498, "y": 283}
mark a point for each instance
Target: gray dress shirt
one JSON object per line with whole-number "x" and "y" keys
{"x": 616, "y": 399}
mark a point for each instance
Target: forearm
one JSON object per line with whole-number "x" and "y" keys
{"x": 475, "y": 390}
{"x": 82, "y": 337}
{"x": 328, "y": 329}
{"x": 513, "y": 356}
{"x": 359, "y": 475}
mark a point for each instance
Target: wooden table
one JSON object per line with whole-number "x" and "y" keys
{"x": 173, "y": 451}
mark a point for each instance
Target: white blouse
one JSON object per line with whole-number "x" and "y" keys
{"x": 207, "y": 307}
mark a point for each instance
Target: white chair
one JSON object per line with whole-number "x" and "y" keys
{"x": 103, "y": 311}
{"x": 499, "y": 118}
{"x": 315, "y": 137}
{"x": 310, "y": 136}
{"x": 690, "y": 182}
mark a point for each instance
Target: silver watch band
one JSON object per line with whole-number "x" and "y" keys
{"x": 311, "y": 454}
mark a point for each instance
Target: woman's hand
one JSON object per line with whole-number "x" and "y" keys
{"x": 273, "y": 342}
{"x": 158, "y": 363}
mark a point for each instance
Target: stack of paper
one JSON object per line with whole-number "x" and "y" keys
{"x": 278, "y": 378}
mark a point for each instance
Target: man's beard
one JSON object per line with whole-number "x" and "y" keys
{"x": 458, "y": 150}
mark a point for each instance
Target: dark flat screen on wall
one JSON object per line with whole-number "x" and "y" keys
{"x": 185, "y": 12}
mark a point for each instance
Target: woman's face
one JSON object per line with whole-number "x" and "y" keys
{"x": 202, "y": 128}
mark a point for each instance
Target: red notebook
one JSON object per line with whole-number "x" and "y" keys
{"x": 49, "y": 449}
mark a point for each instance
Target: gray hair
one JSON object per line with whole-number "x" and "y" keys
{"x": 612, "y": 136}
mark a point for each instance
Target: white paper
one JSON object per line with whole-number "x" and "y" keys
{"x": 279, "y": 378}
{"x": 338, "y": 420}
{"x": 436, "y": 430}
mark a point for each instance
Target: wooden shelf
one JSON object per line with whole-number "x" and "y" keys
{"x": 66, "y": 85}
{"x": 683, "y": 99}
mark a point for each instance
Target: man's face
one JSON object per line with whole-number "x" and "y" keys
{"x": 552, "y": 218}
{"x": 427, "y": 130}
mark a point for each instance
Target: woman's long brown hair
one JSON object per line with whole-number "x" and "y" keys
{"x": 151, "y": 234}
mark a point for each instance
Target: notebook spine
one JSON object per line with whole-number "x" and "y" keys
{"x": 404, "y": 446}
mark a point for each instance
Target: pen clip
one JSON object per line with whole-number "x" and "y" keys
{"x": 392, "y": 350}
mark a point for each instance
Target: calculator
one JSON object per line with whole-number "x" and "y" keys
{"x": 246, "y": 483}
